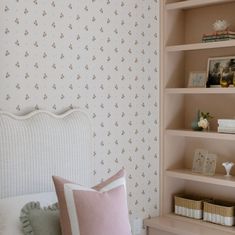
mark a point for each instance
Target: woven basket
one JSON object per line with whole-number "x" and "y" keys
{"x": 219, "y": 212}
{"x": 189, "y": 206}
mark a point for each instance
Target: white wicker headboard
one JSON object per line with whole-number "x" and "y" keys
{"x": 41, "y": 144}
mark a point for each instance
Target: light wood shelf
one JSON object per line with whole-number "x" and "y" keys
{"x": 217, "y": 179}
{"x": 200, "y": 134}
{"x": 179, "y": 225}
{"x": 200, "y": 46}
{"x": 194, "y": 4}
{"x": 200, "y": 90}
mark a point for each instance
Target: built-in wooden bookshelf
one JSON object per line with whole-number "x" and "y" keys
{"x": 182, "y": 25}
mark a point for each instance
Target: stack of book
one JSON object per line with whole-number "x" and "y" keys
{"x": 226, "y": 126}
{"x": 219, "y": 36}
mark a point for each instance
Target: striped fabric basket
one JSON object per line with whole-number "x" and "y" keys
{"x": 189, "y": 206}
{"x": 219, "y": 212}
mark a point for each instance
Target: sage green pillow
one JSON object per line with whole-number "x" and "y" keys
{"x": 40, "y": 221}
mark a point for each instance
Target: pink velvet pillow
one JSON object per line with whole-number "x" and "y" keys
{"x": 101, "y": 210}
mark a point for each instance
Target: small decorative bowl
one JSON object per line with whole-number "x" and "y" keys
{"x": 220, "y": 25}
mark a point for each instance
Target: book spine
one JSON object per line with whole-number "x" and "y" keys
{"x": 226, "y": 32}
{"x": 226, "y": 121}
{"x": 227, "y": 127}
{"x": 218, "y": 37}
{"x": 217, "y": 40}
{"x": 229, "y": 131}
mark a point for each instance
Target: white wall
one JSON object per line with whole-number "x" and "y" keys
{"x": 101, "y": 56}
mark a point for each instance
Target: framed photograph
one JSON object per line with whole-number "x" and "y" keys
{"x": 210, "y": 164}
{"x": 199, "y": 160}
{"x": 197, "y": 79}
{"x": 220, "y": 71}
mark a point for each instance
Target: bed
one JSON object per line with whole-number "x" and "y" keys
{"x": 39, "y": 146}
{"x": 34, "y": 147}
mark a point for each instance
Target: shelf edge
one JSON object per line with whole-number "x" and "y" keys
{"x": 200, "y": 90}
{"x": 188, "y": 175}
{"x": 200, "y": 134}
{"x": 193, "y": 4}
{"x": 200, "y": 46}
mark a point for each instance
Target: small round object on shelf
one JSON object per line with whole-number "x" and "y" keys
{"x": 220, "y": 25}
{"x": 224, "y": 83}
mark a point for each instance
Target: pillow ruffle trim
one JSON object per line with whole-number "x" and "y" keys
{"x": 25, "y": 213}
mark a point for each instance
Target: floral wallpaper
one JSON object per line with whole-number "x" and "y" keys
{"x": 101, "y": 56}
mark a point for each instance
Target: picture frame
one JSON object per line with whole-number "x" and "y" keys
{"x": 197, "y": 79}
{"x": 199, "y": 160}
{"x": 221, "y": 71}
{"x": 210, "y": 164}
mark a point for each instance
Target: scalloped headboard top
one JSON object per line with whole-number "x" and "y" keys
{"x": 41, "y": 144}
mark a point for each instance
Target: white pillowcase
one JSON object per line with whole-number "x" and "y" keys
{"x": 10, "y": 210}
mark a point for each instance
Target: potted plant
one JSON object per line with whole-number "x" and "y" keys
{"x": 201, "y": 121}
